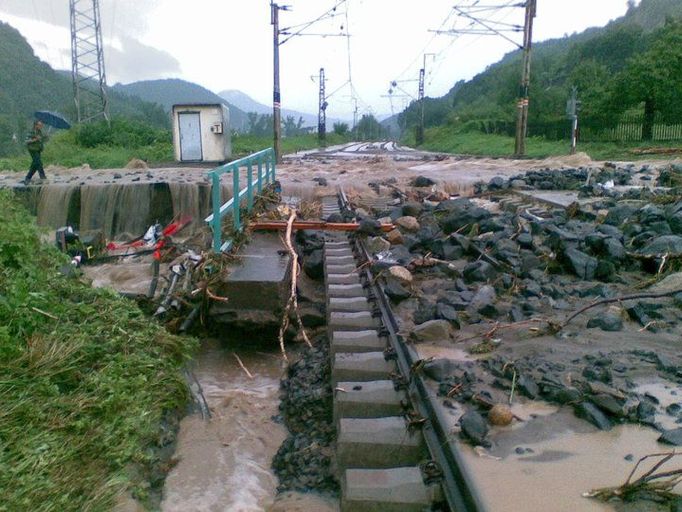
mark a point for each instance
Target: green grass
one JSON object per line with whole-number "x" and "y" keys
{"x": 85, "y": 380}
{"x": 445, "y": 139}
{"x": 63, "y": 150}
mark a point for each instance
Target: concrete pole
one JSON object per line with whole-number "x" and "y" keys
{"x": 276, "y": 97}
{"x": 522, "y": 104}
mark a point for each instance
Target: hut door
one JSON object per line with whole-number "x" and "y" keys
{"x": 190, "y": 136}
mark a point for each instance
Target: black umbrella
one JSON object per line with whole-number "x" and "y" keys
{"x": 52, "y": 119}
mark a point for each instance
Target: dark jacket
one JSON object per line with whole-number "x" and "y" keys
{"x": 36, "y": 140}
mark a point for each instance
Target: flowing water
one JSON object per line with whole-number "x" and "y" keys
{"x": 224, "y": 463}
{"x": 53, "y": 205}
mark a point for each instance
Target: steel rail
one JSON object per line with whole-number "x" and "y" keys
{"x": 458, "y": 486}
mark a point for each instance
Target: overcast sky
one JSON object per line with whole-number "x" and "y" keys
{"x": 227, "y": 44}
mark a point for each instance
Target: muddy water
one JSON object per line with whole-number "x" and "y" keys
{"x": 224, "y": 462}
{"x": 558, "y": 471}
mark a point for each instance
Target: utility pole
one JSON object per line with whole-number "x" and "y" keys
{"x": 522, "y": 104}
{"x": 572, "y": 109}
{"x": 322, "y": 111}
{"x": 87, "y": 61}
{"x": 276, "y": 97}
{"x": 355, "y": 113}
{"x": 420, "y": 98}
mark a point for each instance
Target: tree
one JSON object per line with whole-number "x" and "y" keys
{"x": 368, "y": 128}
{"x": 340, "y": 128}
{"x": 653, "y": 79}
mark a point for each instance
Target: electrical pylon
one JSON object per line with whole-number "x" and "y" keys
{"x": 87, "y": 61}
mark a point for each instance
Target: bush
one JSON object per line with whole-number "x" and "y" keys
{"x": 120, "y": 132}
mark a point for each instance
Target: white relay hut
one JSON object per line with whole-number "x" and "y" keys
{"x": 201, "y": 132}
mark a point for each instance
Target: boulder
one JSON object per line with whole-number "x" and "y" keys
{"x": 422, "y": 181}
{"x": 669, "y": 244}
{"x": 583, "y": 265}
{"x": 376, "y": 244}
{"x": 433, "y": 330}
{"x": 479, "y": 271}
{"x": 395, "y": 237}
{"x": 400, "y": 273}
{"x": 408, "y": 223}
{"x": 313, "y": 264}
{"x": 396, "y": 290}
{"x": 474, "y": 428}
{"x": 591, "y": 413}
{"x": 673, "y": 437}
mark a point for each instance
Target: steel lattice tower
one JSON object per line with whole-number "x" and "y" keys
{"x": 87, "y": 61}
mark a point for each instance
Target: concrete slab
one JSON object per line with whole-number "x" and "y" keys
{"x": 339, "y": 260}
{"x": 348, "y": 304}
{"x": 346, "y": 268}
{"x": 384, "y": 490}
{"x": 373, "y": 399}
{"x": 260, "y": 279}
{"x": 356, "y": 341}
{"x": 352, "y": 321}
{"x": 375, "y": 443}
{"x": 360, "y": 367}
{"x": 342, "y": 278}
{"x": 345, "y": 290}
{"x": 343, "y": 251}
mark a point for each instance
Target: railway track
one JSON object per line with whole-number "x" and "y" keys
{"x": 393, "y": 451}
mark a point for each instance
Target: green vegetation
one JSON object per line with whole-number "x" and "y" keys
{"x": 101, "y": 146}
{"x": 633, "y": 66}
{"x": 447, "y": 139}
{"x": 86, "y": 381}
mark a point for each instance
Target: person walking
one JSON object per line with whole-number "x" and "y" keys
{"x": 35, "y": 144}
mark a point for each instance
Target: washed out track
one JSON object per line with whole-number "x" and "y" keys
{"x": 393, "y": 451}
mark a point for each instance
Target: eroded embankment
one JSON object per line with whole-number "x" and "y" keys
{"x": 88, "y": 382}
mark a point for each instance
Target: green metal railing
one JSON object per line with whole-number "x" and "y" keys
{"x": 263, "y": 160}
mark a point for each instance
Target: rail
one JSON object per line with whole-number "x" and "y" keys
{"x": 458, "y": 485}
{"x": 263, "y": 160}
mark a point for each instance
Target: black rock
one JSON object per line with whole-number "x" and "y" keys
{"x": 412, "y": 209}
{"x": 608, "y": 321}
{"x": 646, "y": 411}
{"x": 395, "y": 290}
{"x": 425, "y": 312}
{"x": 591, "y": 413}
{"x": 674, "y": 409}
{"x": 369, "y": 227}
{"x": 673, "y": 437}
{"x": 422, "y": 181}
{"x": 583, "y": 265}
{"x": 447, "y": 312}
{"x": 527, "y": 387}
{"x": 568, "y": 395}
{"x": 440, "y": 369}
{"x": 313, "y": 264}
{"x": 479, "y": 271}
{"x": 474, "y": 428}
{"x": 670, "y": 244}
{"x": 335, "y": 217}
{"x": 609, "y": 404}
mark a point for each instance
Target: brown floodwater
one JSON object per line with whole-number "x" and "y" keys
{"x": 224, "y": 463}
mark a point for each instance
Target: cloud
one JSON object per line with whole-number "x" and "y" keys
{"x": 132, "y": 60}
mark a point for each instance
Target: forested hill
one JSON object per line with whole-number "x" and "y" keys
{"x": 27, "y": 84}
{"x": 632, "y": 64}
{"x": 170, "y": 91}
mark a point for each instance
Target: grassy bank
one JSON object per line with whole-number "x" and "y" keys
{"x": 85, "y": 378}
{"x": 64, "y": 150}
{"x": 445, "y": 139}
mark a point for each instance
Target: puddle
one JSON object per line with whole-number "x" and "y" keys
{"x": 667, "y": 394}
{"x": 569, "y": 464}
{"x": 224, "y": 463}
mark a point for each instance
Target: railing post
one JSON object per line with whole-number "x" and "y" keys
{"x": 215, "y": 223}
{"x": 236, "y": 199}
{"x": 259, "y": 183}
{"x": 249, "y": 186}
